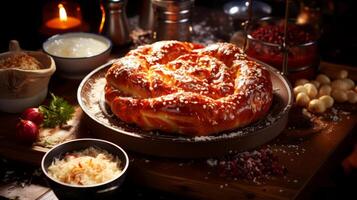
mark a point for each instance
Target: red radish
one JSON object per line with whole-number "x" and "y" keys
{"x": 27, "y": 131}
{"x": 34, "y": 115}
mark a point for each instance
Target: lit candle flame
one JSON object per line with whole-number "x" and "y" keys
{"x": 62, "y": 13}
{"x": 64, "y": 21}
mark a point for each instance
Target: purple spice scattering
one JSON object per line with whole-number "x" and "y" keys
{"x": 255, "y": 165}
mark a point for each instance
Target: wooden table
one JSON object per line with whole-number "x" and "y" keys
{"x": 304, "y": 153}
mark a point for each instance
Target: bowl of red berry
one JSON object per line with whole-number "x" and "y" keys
{"x": 265, "y": 39}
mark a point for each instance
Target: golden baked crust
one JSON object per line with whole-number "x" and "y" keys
{"x": 185, "y": 88}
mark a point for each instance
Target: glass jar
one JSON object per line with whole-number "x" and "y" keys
{"x": 265, "y": 37}
{"x": 172, "y": 19}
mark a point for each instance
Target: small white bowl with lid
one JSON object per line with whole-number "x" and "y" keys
{"x": 78, "y": 53}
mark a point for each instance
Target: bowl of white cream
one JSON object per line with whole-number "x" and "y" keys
{"x": 76, "y": 54}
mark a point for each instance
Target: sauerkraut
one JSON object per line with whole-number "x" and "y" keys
{"x": 87, "y": 167}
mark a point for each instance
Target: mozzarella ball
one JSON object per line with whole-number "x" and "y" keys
{"x": 325, "y": 90}
{"x": 299, "y": 89}
{"x": 301, "y": 82}
{"x": 340, "y": 84}
{"x": 351, "y": 96}
{"x": 350, "y": 82}
{"x": 302, "y": 99}
{"x": 316, "y": 106}
{"x": 339, "y": 95}
{"x": 327, "y": 100}
{"x": 311, "y": 90}
{"x": 342, "y": 74}
{"x": 306, "y": 112}
{"x": 316, "y": 83}
{"x": 323, "y": 79}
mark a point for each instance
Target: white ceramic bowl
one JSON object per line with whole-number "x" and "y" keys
{"x": 77, "y": 67}
{"x": 106, "y": 190}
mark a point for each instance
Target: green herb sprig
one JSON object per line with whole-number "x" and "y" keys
{"x": 58, "y": 112}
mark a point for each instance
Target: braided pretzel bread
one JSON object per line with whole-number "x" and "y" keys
{"x": 185, "y": 88}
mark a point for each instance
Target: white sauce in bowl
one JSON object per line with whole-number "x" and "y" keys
{"x": 76, "y": 47}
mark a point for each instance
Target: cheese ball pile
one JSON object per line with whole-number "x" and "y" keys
{"x": 320, "y": 94}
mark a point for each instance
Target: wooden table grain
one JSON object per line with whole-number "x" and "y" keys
{"x": 304, "y": 154}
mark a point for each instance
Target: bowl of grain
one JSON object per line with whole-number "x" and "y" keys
{"x": 85, "y": 169}
{"x": 24, "y": 78}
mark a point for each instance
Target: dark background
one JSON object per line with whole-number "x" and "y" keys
{"x": 21, "y": 20}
